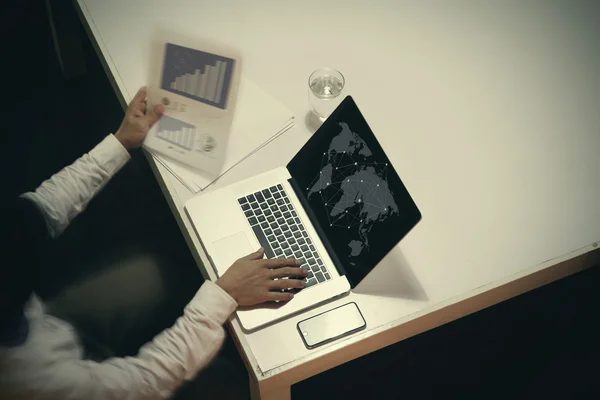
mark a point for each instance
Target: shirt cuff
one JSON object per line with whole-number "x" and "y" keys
{"x": 110, "y": 154}
{"x": 213, "y": 302}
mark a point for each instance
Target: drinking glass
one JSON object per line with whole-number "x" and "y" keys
{"x": 326, "y": 86}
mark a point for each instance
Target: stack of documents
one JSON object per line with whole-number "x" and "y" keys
{"x": 258, "y": 120}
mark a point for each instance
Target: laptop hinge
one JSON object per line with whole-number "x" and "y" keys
{"x": 338, "y": 265}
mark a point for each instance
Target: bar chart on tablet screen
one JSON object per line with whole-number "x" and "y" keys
{"x": 196, "y": 74}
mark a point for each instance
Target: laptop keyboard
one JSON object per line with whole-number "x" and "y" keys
{"x": 281, "y": 232}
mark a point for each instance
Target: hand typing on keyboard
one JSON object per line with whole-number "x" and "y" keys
{"x": 253, "y": 279}
{"x": 280, "y": 231}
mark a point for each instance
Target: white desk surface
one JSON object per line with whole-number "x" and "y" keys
{"x": 489, "y": 111}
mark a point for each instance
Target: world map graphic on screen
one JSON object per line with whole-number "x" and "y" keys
{"x": 352, "y": 186}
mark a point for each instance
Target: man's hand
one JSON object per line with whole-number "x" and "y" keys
{"x": 250, "y": 280}
{"x": 138, "y": 121}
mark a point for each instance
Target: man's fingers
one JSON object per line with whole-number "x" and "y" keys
{"x": 159, "y": 110}
{"x": 279, "y": 296}
{"x": 286, "y": 272}
{"x": 137, "y": 107}
{"x": 139, "y": 97}
{"x": 286, "y": 284}
{"x": 154, "y": 115}
{"x": 257, "y": 255}
{"x": 281, "y": 262}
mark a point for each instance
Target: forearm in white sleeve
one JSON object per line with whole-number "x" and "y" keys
{"x": 62, "y": 197}
{"x": 174, "y": 356}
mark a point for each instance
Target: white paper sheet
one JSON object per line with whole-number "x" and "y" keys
{"x": 199, "y": 90}
{"x": 259, "y": 118}
{"x": 194, "y": 182}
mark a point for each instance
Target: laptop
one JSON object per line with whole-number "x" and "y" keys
{"x": 339, "y": 207}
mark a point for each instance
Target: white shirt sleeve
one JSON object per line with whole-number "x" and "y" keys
{"x": 161, "y": 366}
{"x": 62, "y": 197}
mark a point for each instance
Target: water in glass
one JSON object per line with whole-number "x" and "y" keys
{"x": 325, "y": 89}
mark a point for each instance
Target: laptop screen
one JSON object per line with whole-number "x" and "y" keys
{"x": 358, "y": 203}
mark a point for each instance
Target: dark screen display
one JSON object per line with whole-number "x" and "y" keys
{"x": 353, "y": 191}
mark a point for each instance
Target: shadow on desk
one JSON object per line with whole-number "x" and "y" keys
{"x": 392, "y": 277}
{"x": 312, "y": 122}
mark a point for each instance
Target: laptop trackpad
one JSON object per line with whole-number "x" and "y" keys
{"x": 228, "y": 250}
